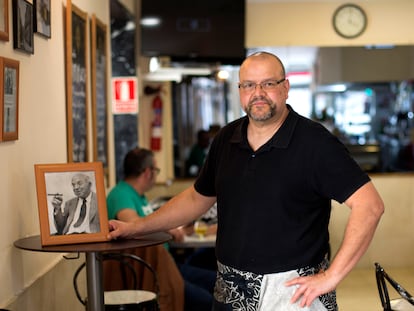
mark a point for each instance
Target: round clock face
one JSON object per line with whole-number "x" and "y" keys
{"x": 349, "y": 21}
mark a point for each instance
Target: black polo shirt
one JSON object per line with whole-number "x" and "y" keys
{"x": 274, "y": 204}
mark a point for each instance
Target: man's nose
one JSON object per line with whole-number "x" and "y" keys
{"x": 258, "y": 86}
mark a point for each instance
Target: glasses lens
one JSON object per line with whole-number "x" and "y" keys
{"x": 247, "y": 86}
{"x": 269, "y": 85}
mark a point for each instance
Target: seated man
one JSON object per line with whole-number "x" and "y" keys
{"x": 198, "y": 153}
{"x": 127, "y": 201}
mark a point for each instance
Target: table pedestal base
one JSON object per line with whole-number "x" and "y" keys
{"x": 95, "y": 300}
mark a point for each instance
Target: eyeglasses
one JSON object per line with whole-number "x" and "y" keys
{"x": 155, "y": 169}
{"x": 268, "y": 85}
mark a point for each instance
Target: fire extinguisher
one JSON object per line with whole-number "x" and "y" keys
{"x": 156, "y": 124}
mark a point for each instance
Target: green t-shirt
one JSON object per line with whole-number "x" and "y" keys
{"x": 124, "y": 196}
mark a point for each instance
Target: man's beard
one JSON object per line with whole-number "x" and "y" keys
{"x": 260, "y": 115}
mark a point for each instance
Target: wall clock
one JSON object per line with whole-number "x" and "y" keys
{"x": 349, "y": 20}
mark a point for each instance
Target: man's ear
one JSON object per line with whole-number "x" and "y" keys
{"x": 147, "y": 172}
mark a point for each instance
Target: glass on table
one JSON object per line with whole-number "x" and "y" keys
{"x": 200, "y": 228}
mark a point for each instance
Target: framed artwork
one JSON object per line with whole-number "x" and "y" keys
{"x": 4, "y": 20}
{"x": 9, "y": 99}
{"x": 71, "y": 202}
{"x": 76, "y": 83}
{"x": 42, "y": 23}
{"x": 99, "y": 87}
{"x": 23, "y": 26}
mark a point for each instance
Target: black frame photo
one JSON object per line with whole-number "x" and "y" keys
{"x": 42, "y": 22}
{"x": 23, "y": 26}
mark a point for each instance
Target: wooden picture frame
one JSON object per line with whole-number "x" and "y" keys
{"x": 42, "y": 18}
{"x": 99, "y": 89}
{"x": 9, "y": 99}
{"x": 76, "y": 83}
{"x": 4, "y": 20}
{"x": 23, "y": 39}
{"x": 60, "y": 189}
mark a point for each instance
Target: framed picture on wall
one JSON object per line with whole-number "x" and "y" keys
{"x": 99, "y": 89}
{"x": 23, "y": 26}
{"x": 76, "y": 83}
{"x": 71, "y": 203}
{"x": 42, "y": 23}
{"x": 4, "y": 20}
{"x": 9, "y": 99}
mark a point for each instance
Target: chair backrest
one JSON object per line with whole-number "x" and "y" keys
{"x": 382, "y": 278}
{"x": 130, "y": 295}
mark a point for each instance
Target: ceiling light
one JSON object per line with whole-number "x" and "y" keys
{"x": 150, "y": 21}
{"x": 154, "y": 64}
{"x": 223, "y": 74}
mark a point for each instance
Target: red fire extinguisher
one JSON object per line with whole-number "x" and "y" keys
{"x": 156, "y": 125}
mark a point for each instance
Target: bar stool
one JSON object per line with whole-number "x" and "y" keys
{"x": 404, "y": 303}
{"x": 132, "y": 299}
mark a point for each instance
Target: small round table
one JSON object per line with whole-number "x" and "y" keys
{"x": 95, "y": 291}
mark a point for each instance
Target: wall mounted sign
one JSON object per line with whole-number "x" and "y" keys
{"x": 124, "y": 95}
{"x": 99, "y": 87}
{"x": 76, "y": 83}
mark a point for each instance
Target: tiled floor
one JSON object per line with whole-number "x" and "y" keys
{"x": 358, "y": 292}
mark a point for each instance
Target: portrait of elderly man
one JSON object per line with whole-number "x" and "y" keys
{"x": 80, "y": 213}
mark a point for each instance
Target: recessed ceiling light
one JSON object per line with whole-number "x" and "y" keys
{"x": 150, "y": 21}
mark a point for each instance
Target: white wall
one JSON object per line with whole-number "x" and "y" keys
{"x": 309, "y": 23}
{"x": 42, "y": 139}
{"x": 393, "y": 242}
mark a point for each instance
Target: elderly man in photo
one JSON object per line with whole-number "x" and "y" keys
{"x": 80, "y": 214}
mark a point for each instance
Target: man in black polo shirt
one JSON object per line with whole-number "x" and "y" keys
{"x": 273, "y": 174}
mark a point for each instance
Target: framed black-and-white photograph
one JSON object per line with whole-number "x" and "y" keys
{"x": 71, "y": 203}
{"x": 41, "y": 22}
{"x": 23, "y": 26}
{"x": 9, "y": 99}
{"x": 4, "y": 20}
{"x": 77, "y": 66}
{"x": 99, "y": 89}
